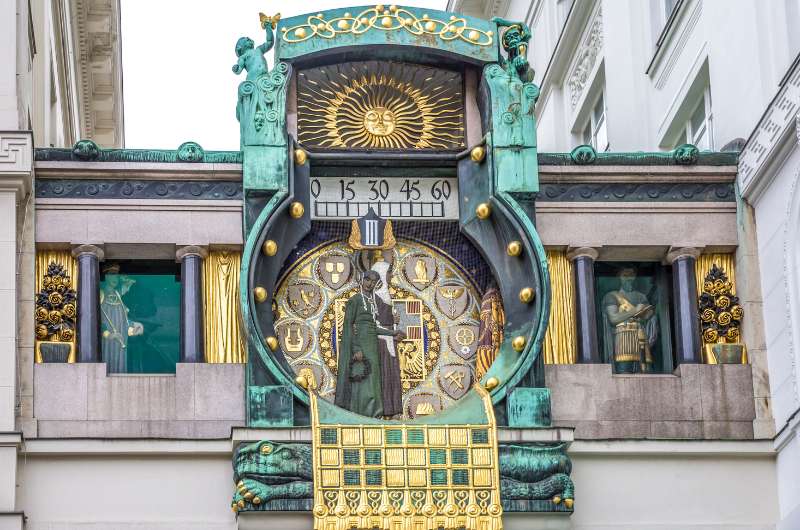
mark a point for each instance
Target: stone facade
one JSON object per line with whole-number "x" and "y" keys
{"x": 699, "y": 402}
{"x": 201, "y": 401}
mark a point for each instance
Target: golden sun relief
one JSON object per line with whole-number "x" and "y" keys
{"x": 380, "y": 105}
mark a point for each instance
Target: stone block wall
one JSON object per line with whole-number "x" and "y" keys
{"x": 697, "y": 402}
{"x": 201, "y": 401}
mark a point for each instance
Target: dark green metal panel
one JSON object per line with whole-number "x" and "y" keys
{"x": 529, "y": 407}
{"x": 270, "y": 406}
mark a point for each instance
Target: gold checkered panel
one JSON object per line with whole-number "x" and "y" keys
{"x": 406, "y": 477}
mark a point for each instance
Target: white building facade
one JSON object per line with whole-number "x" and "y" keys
{"x": 642, "y": 75}
{"x": 649, "y": 75}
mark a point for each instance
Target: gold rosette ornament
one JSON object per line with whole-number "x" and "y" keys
{"x": 720, "y": 319}
{"x": 70, "y": 311}
{"x": 66, "y": 334}
{"x": 55, "y": 298}
{"x": 41, "y": 314}
{"x": 54, "y": 317}
{"x": 55, "y": 313}
{"x": 710, "y": 335}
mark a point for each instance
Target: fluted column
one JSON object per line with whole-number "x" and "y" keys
{"x": 684, "y": 295}
{"x": 191, "y": 260}
{"x": 583, "y": 259}
{"x": 88, "y": 337}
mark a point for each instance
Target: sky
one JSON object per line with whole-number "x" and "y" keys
{"x": 176, "y": 66}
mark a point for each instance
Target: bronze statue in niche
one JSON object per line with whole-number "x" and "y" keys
{"x": 629, "y": 329}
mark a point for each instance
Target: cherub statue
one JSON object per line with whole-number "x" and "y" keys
{"x": 252, "y": 58}
{"x": 515, "y": 43}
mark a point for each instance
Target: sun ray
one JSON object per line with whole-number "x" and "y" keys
{"x": 380, "y": 105}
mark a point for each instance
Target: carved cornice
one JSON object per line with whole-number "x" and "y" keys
{"x": 98, "y": 53}
{"x": 772, "y": 138}
{"x": 478, "y": 8}
{"x": 586, "y": 56}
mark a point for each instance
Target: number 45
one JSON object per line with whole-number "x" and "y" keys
{"x": 411, "y": 187}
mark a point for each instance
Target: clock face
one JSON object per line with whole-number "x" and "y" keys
{"x": 429, "y": 297}
{"x": 382, "y": 143}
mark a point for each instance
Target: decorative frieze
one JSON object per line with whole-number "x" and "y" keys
{"x": 637, "y": 192}
{"x": 770, "y": 133}
{"x": 137, "y": 189}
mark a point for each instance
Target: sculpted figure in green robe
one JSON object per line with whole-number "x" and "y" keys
{"x": 358, "y": 383}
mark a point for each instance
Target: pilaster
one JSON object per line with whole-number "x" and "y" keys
{"x": 16, "y": 174}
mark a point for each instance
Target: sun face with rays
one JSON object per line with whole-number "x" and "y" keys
{"x": 375, "y": 105}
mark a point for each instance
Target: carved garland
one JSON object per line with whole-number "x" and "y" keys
{"x": 585, "y": 59}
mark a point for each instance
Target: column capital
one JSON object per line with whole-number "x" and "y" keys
{"x": 95, "y": 250}
{"x": 190, "y": 250}
{"x": 577, "y": 252}
{"x": 676, "y": 253}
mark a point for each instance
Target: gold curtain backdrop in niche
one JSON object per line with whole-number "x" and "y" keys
{"x": 702, "y": 267}
{"x": 559, "y": 341}
{"x": 70, "y": 264}
{"x": 224, "y": 341}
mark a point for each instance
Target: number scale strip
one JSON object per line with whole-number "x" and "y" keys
{"x": 424, "y": 198}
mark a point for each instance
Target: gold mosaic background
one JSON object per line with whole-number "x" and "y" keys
{"x": 309, "y": 307}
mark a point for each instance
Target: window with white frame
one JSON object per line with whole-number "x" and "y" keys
{"x": 669, "y": 7}
{"x": 596, "y": 132}
{"x": 699, "y": 125}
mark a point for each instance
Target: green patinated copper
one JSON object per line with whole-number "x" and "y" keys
{"x": 511, "y": 155}
{"x": 513, "y": 123}
{"x": 88, "y": 151}
{"x": 685, "y": 154}
{"x": 273, "y": 476}
{"x": 529, "y": 407}
{"x": 334, "y": 35}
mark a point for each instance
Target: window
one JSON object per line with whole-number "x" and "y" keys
{"x": 596, "y": 133}
{"x": 633, "y": 316}
{"x": 669, "y": 7}
{"x": 140, "y": 316}
{"x": 698, "y": 127}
